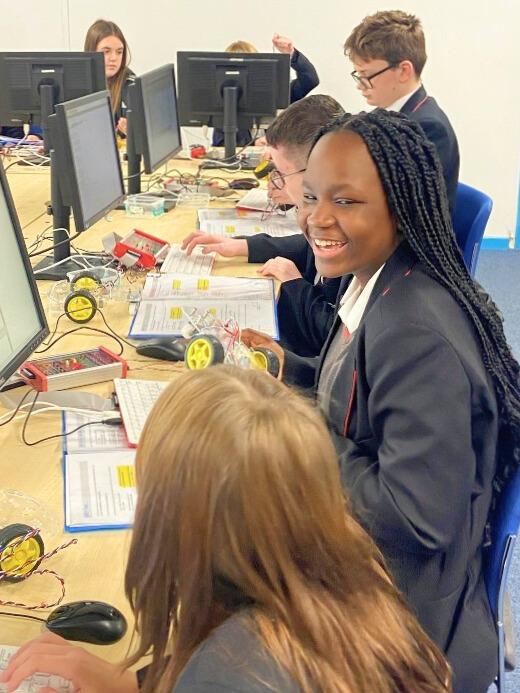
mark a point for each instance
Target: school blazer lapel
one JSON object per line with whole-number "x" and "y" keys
{"x": 399, "y": 264}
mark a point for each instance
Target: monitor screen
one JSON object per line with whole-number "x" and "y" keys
{"x": 87, "y": 157}
{"x": 156, "y": 122}
{"x": 22, "y": 321}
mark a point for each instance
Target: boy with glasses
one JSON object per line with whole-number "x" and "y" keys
{"x": 306, "y": 303}
{"x": 388, "y": 53}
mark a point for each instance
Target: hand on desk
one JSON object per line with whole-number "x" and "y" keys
{"x": 227, "y": 247}
{"x": 281, "y": 268}
{"x": 54, "y": 655}
{"x": 252, "y": 338}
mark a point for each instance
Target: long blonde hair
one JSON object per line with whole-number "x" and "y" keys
{"x": 239, "y": 488}
{"x": 102, "y": 29}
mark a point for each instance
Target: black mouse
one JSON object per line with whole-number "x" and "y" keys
{"x": 95, "y": 622}
{"x": 167, "y": 349}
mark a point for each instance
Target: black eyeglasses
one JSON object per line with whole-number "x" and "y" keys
{"x": 278, "y": 179}
{"x": 365, "y": 80}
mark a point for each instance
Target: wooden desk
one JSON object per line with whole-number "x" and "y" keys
{"x": 94, "y": 568}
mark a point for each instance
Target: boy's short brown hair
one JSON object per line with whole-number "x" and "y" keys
{"x": 299, "y": 124}
{"x": 391, "y": 35}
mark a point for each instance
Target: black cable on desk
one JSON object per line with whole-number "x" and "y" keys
{"x": 29, "y": 616}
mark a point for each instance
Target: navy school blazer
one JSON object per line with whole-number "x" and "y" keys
{"x": 425, "y": 110}
{"x": 414, "y": 420}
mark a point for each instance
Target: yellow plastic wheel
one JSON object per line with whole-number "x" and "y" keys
{"x": 87, "y": 281}
{"x": 203, "y": 350}
{"x": 25, "y": 558}
{"x": 263, "y": 359}
{"x": 80, "y": 306}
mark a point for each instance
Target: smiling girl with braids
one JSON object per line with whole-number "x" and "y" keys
{"x": 416, "y": 379}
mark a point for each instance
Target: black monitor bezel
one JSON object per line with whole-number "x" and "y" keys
{"x": 140, "y": 125}
{"x": 26, "y": 352}
{"x": 61, "y": 142}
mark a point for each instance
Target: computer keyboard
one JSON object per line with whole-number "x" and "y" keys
{"x": 136, "y": 399}
{"x": 179, "y": 262}
{"x": 37, "y": 681}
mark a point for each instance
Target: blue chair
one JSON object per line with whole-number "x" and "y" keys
{"x": 497, "y": 559}
{"x": 471, "y": 214}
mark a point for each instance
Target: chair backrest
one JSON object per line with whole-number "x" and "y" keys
{"x": 505, "y": 524}
{"x": 471, "y": 214}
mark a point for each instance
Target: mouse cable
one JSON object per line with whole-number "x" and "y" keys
{"x": 112, "y": 334}
{"x": 29, "y": 616}
{"x": 15, "y": 411}
{"x": 134, "y": 175}
{"x": 112, "y": 421}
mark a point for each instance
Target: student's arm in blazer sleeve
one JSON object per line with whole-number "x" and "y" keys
{"x": 263, "y": 247}
{"x": 300, "y": 371}
{"x": 311, "y": 312}
{"x": 306, "y": 76}
{"x": 415, "y": 493}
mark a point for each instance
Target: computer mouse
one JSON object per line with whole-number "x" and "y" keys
{"x": 95, "y": 622}
{"x": 167, "y": 349}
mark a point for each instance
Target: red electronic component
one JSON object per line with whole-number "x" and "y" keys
{"x": 197, "y": 151}
{"x": 141, "y": 246}
{"x": 73, "y": 370}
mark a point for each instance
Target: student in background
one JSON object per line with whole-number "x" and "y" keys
{"x": 306, "y": 79}
{"x": 16, "y": 132}
{"x": 246, "y": 565}
{"x": 388, "y": 53}
{"x": 107, "y": 38}
{"x": 416, "y": 379}
{"x": 289, "y": 259}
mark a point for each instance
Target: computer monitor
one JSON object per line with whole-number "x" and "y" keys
{"x": 153, "y": 123}
{"x": 85, "y": 171}
{"x": 231, "y": 90}
{"x": 22, "y": 321}
{"x": 32, "y": 83}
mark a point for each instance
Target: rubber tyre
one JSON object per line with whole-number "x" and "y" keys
{"x": 80, "y": 306}
{"x": 32, "y": 548}
{"x": 203, "y": 350}
{"x": 265, "y": 359}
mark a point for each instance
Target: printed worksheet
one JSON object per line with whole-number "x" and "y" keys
{"x": 255, "y": 199}
{"x": 169, "y": 316}
{"x": 100, "y": 490}
{"x": 92, "y": 438}
{"x": 274, "y": 225}
{"x": 226, "y": 213}
{"x": 164, "y": 286}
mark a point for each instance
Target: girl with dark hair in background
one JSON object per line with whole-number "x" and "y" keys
{"x": 107, "y": 38}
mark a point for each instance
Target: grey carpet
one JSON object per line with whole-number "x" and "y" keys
{"x": 499, "y": 273}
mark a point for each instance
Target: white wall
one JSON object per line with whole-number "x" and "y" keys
{"x": 473, "y": 69}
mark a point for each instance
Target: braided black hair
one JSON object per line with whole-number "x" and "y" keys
{"x": 412, "y": 179}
